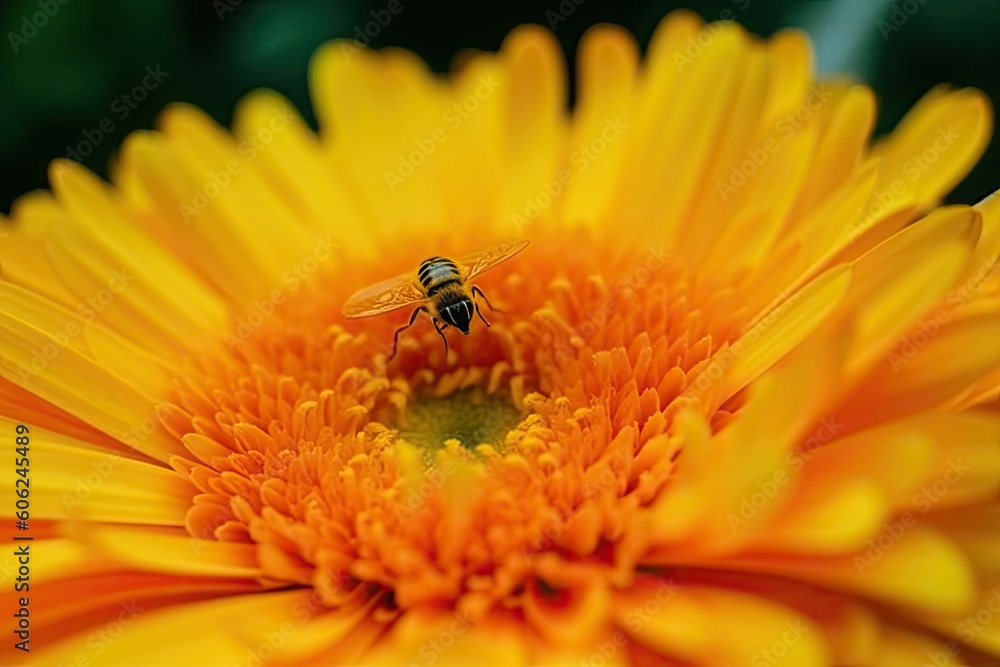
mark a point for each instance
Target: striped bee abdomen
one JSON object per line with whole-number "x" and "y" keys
{"x": 437, "y": 272}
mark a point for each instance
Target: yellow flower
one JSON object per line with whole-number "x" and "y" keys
{"x": 740, "y": 405}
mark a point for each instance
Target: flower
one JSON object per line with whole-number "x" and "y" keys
{"x": 740, "y": 405}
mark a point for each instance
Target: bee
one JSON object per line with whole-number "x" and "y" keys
{"x": 442, "y": 288}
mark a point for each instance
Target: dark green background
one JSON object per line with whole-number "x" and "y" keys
{"x": 63, "y": 81}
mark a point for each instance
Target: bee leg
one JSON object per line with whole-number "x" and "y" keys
{"x": 480, "y": 313}
{"x": 395, "y": 338}
{"x": 440, "y": 330}
{"x": 477, "y": 291}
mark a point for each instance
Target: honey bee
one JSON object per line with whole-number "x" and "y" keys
{"x": 442, "y": 288}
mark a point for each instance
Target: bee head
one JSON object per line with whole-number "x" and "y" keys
{"x": 458, "y": 315}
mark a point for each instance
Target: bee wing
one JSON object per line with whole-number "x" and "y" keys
{"x": 477, "y": 262}
{"x": 382, "y": 297}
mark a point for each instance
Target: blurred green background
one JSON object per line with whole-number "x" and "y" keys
{"x": 65, "y": 64}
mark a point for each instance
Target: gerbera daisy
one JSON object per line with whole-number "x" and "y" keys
{"x": 739, "y": 405}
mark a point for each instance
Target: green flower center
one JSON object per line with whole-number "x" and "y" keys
{"x": 469, "y": 416}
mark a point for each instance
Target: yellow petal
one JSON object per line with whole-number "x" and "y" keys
{"x": 451, "y": 639}
{"x": 245, "y": 626}
{"x": 23, "y": 259}
{"x": 187, "y": 223}
{"x": 82, "y": 387}
{"x": 752, "y": 475}
{"x": 84, "y": 484}
{"x": 979, "y": 626}
{"x": 173, "y": 552}
{"x": 380, "y": 116}
{"x": 907, "y": 565}
{"x": 534, "y": 128}
{"x": 974, "y": 528}
{"x": 988, "y": 250}
{"x": 27, "y": 408}
{"x": 781, "y": 329}
{"x": 237, "y": 194}
{"x": 826, "y": 230}
{"x": 675, "y": 512}
{"x": 738, "y": 140}
{"x": 166, "y": 296}
{"x": 654, "y": 191}
{"x": 903, "y": 648}
{"x": 791, "y": 58}
{"x": 836, "y": 517}
{"x": 686, "y": 624}
{"x": 52, "y": 560}
{"x": 842, "y": 143}
{"x": 607, "y": 66}
{"x": 934, "y": 363}
{"x": 936, "y": 144}
{"x": 296, "y": 168}
{"x": 901, "y": 279}
{"x": 473, "y": 153}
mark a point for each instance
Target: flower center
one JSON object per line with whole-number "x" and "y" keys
{"x": 464, "y": 480}
{"x": 468, "y": 416}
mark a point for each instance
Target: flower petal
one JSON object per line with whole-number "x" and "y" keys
{"x": 901, "y": 279}
{"x": 84, "y": 484}
{"x": 936, "y": 144}
{"x": 254, "y": 624}
{"x": 607, "y": 66}
{"x": 173, "y": 552}
{"x": 83, "y": 387}
{"x": 686, "y": 624}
